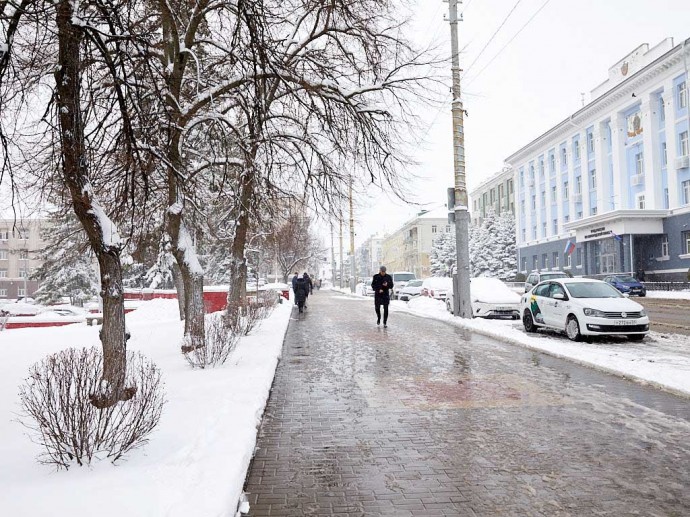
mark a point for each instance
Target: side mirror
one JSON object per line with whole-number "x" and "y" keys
{"x": 626, "y": 295}
{"x": 559, "y": 296}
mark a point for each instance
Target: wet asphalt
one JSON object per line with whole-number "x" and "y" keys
{"x": 425, "y": 419}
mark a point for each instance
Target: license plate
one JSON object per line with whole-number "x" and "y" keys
{"x": 503, "y": 308}
{"x": 625, "y": 322}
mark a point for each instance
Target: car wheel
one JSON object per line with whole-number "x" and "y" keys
{"x": 572, "y": 329}
{"x": 528, "y": 322}
{"x": 642, "y": 295}
{"x": 636, "y": 337}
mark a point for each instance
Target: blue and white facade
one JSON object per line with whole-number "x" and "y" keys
{"x": 614, "y": 177}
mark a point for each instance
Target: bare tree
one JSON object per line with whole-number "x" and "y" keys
{"x": 293, "y": 244}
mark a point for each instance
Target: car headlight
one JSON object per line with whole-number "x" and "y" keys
{"x": 643, "y": 313}
{"x": 594, "y": 313}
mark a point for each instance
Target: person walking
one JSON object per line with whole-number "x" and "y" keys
{"x": 294, "y": 286}
{"x": 382, "y": 283}
{"x": 301, "y": 293}
{"x": 310, "y": 282}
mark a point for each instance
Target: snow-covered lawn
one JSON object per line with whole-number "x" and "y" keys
{"x": 662, "y": 360}
{"x": 670, "y": 295}
{"x": 196, "y": 460}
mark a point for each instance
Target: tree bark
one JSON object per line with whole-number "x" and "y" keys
{"x": 237, "y": 293}
{"x": 179, "y": 286}
{"x": 112, "y": 388}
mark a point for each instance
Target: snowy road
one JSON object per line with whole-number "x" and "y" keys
{"x": 668, "y": 315}
{"x": 425, "y": 419}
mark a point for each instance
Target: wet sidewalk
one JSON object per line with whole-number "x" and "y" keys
{"x": 424, "y": 419}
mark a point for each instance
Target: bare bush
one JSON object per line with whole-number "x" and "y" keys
{"x": 244, "y": 317}
{"x": 56, "y": 407}
{"x": 219, "y": 341}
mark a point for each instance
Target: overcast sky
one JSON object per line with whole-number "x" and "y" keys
{"x": 531, "y": 86}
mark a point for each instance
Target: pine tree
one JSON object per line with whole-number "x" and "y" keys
{"x": 443, "y": 255}
{"x": 493, "y": 247}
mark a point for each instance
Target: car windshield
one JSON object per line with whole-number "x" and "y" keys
{"x": 403, "y": 277}
{"x": 624, "y": 278}
{"x": 592, "y": 290}
{"x": 550, "y": 276}
{"x": 415, "y": 283}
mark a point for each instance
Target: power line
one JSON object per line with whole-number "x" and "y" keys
{"x": 509, "y": 42}
{"x": 493, "y": 36}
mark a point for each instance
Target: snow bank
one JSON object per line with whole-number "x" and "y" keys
{"x": 671, "y": 295}
{"x": 662, "y": 360}
{"x": 196, "y": 461}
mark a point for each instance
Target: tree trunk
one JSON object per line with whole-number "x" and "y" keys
{"x": 237, "y": 294}
{"x": 179, "y": 286}
{"x": 106, "y": 247}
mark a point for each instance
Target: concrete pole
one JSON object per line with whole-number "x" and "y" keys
{"x": 333, "y": 273}
{"x": 353, "y": 276}
{"x": 461, "y": 286}
{"x": 340, "y": 282}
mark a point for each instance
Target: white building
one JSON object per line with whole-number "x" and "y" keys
{"x": 20, "y": 243}
{"x": 613, "y": 177}
{"x": 497, "y": 193}
{"x": 408, "y": 248}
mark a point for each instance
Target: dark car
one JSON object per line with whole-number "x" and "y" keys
{"x": 626, "y": 284}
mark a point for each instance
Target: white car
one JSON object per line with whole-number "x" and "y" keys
{"x": 411, "y": 290}
{"x": 583, "y": 307}
{"x": 437, "y": 287}
{"x": 490, "y": 298}
{"x": 400, "y": 280}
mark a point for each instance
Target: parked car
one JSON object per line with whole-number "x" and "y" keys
{"x": 626, "y": 284}
{"x": 400, "y": 280}
{"x": 411, "y": 290}
{"x": 536, "y": 277}
{"x": 437, "y": 287}
{"x": 583, "y": 307}
{"x": 490, "y": 298}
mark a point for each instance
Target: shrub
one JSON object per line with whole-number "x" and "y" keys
{"x": 220, "y": 340}
{"x": 56, "y": 408}
{"x": 520, "y": 277}
{"x": 244, "y": 318}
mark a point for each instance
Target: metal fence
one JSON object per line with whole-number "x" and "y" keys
{"x": 667, "y": 286}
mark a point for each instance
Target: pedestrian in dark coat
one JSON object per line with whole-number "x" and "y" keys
{"x": 301, "y": 292}
{"x": 382, "y": 283}
{"x": 294, "y": 286}
{"x": 309, "y": 281}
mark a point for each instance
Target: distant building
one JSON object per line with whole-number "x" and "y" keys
{"x": 497, "y": 192}
{"x": 20, "y": 242}
{"x": 614, "y": 177}
{"x": 369, "y": 256}
{"x": 408, "y": 248}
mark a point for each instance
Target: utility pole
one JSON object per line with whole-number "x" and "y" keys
{"x": 353, "y": 276}
{"x": 340, "y": 283}
{"x": 462, "y": 305}
{"x": 332, "y": 257}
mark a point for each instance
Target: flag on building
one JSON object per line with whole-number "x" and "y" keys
{"x": 569, "y": 248}
{"x": 617, "y": 237}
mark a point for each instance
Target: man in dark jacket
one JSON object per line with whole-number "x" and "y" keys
{"x": 382, "y": 283}
{"x": 310, "y": 282}
{"x": 301, "y": 291}
{"x": 294, "y": 286}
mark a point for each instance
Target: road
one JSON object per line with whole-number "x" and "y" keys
{"x": 425, "y": 418}
{"x": 669, "y": 316}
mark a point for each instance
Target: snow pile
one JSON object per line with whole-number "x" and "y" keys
{"x": 492, "y": 290}
{"x": 670, "y": 295}
{"x": 196, "y": 461}
{"x": 22, "y": 309}
{"x": 662, "y": 360}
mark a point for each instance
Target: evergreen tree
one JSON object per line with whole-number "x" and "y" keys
{"x": 493, "y": 247}
{"x": 443, "y": 255}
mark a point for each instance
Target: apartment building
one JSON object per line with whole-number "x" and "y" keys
{"x": 20, "y": 242}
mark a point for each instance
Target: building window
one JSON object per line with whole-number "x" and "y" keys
{"x": 522, "y": 206}
{"x": 579, "y": 214}
{"x": 664, "y": 155}
{"x": 682, "y": 95}
{"x": 541, "y": 167}
{"x": 553, "y": 195}
{"x": 3, "y": 273}
{"x": 685, "y": 189}
{"x": 523, "y": 263}
{"x": 434, "y": 229}
{"x": 664, "y": 246}
{"x": 662, "y": 109}
{"x": 564, "y": 156}
{"x": 593, "y": 210}
{"x": 543, "y": 198}
{"x": 3, "y": 254}
{"x": 565, "y": 190}
{"x": 639, "y": 163}
{"x": 493, "y": 196}
{"x": 534, "y": 232}
{"x": 578, "y": 185}
{"x": 639, "y": 201}
{"x": 578, "y": 252}
{"x": 531, "y": 171}
{"x": 534, "y": 202}
{"x": 566, "y": 218}
{"x": 500, "y": 192}
{"x": 23, "y": 273}
{"x": 683, "y": 143}
{"x": 522, "y": 178}
{"x": 590, "y": 142}
{"x": 666, "y": 198}
{"x": 593, "y": 179}
{"x": 543, "y": 229}
{"x": 535, "y": 263}
{"x": 556, "y": 260}
{"x": 545, "y": 261}
{"x": 524, "y": 234}
{"x": 447, "y": 228}
{"x": 21, "y": 292}
{"x": 4, "y": 235}
{"x": 568, "y": 260}
{"x": 552, "y": 158}
{"x": 23, "y": 254}
{"x": 576, "y": 150}
{"x": 686, "y": 242}
{"x": 555, "y": 226}
{"x": 3, "y": 293}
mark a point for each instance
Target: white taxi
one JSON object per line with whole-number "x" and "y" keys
{"x": 583, "y": 307}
